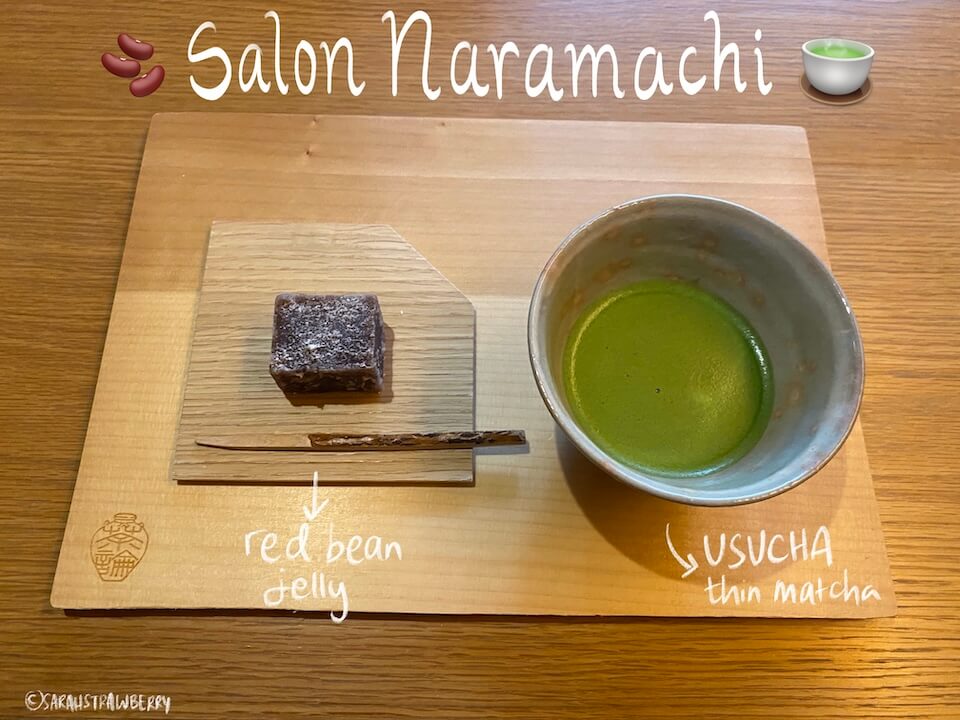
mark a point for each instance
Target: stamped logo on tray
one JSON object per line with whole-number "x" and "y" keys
{"x": 118, "y": 546}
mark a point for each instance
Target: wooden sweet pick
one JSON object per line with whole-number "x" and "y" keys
{"x": 334, "y": 442}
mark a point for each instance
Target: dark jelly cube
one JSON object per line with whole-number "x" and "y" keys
{"x": 325, "y": 343}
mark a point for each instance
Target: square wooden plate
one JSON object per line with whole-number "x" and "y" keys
{"x": 429, "y": 363}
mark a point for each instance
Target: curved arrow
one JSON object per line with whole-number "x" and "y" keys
{"x": 690, "y": 564}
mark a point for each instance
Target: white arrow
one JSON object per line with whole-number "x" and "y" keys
{"x": 690, "y": 564}
{"x": 309, "y": 514}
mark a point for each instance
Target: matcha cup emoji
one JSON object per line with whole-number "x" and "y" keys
{"x": 835, "y": 66}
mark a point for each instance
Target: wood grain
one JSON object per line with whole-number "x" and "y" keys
{"x": 70, "y": 147}
{"x": 543, "y": 531}
{"x": 428, "y": 365}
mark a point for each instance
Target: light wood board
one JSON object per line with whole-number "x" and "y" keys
{"x": 428, "y": 366}
{"x": 485, "y": 202}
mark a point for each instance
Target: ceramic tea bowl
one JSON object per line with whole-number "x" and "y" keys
{"x": 772, "y": 279}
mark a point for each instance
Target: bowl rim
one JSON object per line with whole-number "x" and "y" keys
{"x": 840, "y": 41}
{"x": 622, "y": 471}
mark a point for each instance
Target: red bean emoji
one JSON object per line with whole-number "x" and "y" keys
{"x": 148, "y": 82}
{"x": 120, "y": 66}
{"x": 134, "y": 48}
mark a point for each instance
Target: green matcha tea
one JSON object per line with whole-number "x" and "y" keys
{"x": 668, "y": 378}
{"x": 842, "y": 52}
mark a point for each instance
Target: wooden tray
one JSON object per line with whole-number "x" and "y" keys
{"x": 485, "y": 202}
{"x": 428, "y": 368}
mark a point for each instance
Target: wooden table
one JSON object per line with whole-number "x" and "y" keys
{"x": 888, "y": 172}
